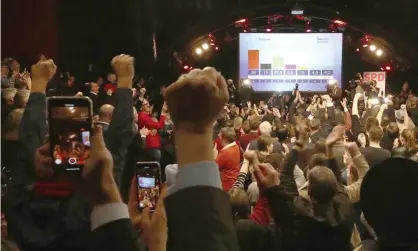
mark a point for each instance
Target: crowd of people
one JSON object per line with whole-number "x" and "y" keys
{"x": 330, "y": 171}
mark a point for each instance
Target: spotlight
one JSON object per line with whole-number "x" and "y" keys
{"x": 357, "y": 49}
{"x": 198, "y": 51}
{"x": 216, "y": 48}
{"x": 365, "y": 45}
{"x": 268, "y": 29}
{"x": 246, "y": 81}
{"x": 205, "y": 46}
{"x": 297, "y": 10}
{"x": 339, "y": 22}
{"x": 379, "y": 52}
{"x": 372, "y": 47}
{"x": 186, "y": 67}
{"x": 308, "y": 30}
{"x": 388, "y": 68}
{"x": 241, "y": 21}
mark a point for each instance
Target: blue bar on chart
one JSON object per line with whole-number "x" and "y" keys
{"x": 265, "y": 72}
{"x": 253, "y": 72}
{"x": 327, "y": 72}
{"x": 315, "y": 72}
{"x": 278, "y": 72}
{"x": 290, "y": 72}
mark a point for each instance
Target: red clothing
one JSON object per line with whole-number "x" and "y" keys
{"x": 53, "y": 189}
{"x": 110, "y": 86}
{"x": 152, "y": 140}
{"x": 261, "y": 213}
{"x": 228, "y": 161}
{"x": 245, "y": 139}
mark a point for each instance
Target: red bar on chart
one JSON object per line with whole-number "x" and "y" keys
{"x": 253, "y": 59}
{"x": 290, "y": 67}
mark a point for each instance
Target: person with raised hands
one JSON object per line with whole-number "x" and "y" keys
{"x": 198, "y": 210}
{"x": 321, "y": 221}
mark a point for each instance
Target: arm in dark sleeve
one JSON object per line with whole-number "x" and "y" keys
{"x": 332, "y": 164}
{"x": 120, "y": 133}
{"x": 287, "y": 180}
{"x": 356, "y": 127}
{"x": 292, "y": 110}
{"x": 205, "y": 224}
{"x": 391, "y": 113}
{"x": 114, "y": 236}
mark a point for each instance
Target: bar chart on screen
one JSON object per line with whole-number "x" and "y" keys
{"x": 272, "y": 61}
{"x": 276, "y": 69}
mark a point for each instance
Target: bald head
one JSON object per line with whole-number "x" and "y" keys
{"x": 105, "y": 113}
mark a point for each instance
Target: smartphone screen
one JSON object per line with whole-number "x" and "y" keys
{"x": 70, "y": 126}
{"x": 148, "y": 184}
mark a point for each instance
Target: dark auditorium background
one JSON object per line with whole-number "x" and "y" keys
{"x": 77, "y": 33}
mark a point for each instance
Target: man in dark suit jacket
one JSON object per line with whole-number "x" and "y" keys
{"x": 198, "y": 210}
{"x": 94, "y": 96}
{"x": 336, "y": 92}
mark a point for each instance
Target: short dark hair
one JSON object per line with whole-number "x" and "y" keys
{"x": 282, "y": 133}
{"x": 392, "y": 130}
{"x": 246, "y": 127}
{"x": 370, "y": 122}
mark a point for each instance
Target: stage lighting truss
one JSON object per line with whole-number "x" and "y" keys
{"x": 377, "y": 50}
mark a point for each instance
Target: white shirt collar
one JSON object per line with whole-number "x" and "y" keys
{"x": 229, "y": 145}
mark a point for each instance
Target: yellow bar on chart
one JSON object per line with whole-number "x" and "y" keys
{"x": 300, "y": 67}
{"x": 278, "y": 62}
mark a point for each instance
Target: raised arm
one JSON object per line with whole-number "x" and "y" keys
{"x": 120, "y": 133}
{"x": 198, "y": 210}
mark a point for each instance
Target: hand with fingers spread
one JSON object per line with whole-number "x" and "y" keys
{"x": 204, "y": 90}
{"x": 98, "y": 182}
{"x": 153, "y": 227}
{"x": 42, "y": 72}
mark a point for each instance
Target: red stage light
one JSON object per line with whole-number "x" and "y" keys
{"x": 245, "y": 30}
{"x": 241, "y": 21}
{"x": 216, "y": 48}
{"x": 388, "y": 68}
{"x": 357, "y": 49}
{"x": 268, "y": 29}
{"x": 186, "y": 67}
{"x": 308, "y": 30}
{"x": 365, "y": 45}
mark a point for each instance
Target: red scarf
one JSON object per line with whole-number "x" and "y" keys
{"x": 53, "y": 189}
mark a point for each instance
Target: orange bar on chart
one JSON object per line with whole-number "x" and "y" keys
{"x": 253, "y": 59}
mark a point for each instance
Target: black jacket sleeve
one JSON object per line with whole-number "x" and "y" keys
{"x": 120, "y": 133}
{"x": 116, "y": 235}
{"x": 205, "y": 224}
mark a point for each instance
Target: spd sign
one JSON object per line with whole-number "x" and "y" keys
{"x": 379, "y": 77}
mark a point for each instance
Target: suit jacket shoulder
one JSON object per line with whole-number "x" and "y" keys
{"x": 205, "y": 224}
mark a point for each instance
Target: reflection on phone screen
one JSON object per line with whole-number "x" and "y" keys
{"x": 70, "y": 135}
{"x": 148, "y": 187}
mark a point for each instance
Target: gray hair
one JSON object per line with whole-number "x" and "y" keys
{"x": 322, "y": 184}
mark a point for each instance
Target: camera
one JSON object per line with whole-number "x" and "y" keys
{"x": 297, "y": 87}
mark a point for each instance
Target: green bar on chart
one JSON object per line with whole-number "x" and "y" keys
{"x": 278, "y": 62}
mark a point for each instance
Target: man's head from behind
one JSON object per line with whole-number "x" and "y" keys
{"x": 322, "y": 184}
{"x": 239, "y": 203}
{"x": 314, "y": 124}
{"x": 265, "y": 128}
{"x": 392, "y": 130}
{"x": 227, "y": 135}
{"x": 375, "y": 134}
{"x": 255, "y": 122}
{"x": 282, "y": 133}
{"x": 105, "y": 113}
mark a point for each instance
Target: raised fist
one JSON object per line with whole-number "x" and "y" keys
{"x": 195, "y": 100}
{"x": 123, "y": 65}
{"x": 43, "y": 71}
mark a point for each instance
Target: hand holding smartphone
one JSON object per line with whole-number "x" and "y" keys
{"x": 148, "y": 181}
{"x": 70, "y": 127}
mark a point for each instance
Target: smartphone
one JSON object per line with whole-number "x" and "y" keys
{"x": 70, "y": 127}
{"x": 148, "y": 180}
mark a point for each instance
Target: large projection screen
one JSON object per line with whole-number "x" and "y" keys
{"x": 277, "y": 61}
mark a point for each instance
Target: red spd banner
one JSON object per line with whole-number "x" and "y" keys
{"x": 379, "y": 77}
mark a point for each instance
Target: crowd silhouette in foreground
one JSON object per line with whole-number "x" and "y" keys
{"x": 334, "y": 171}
